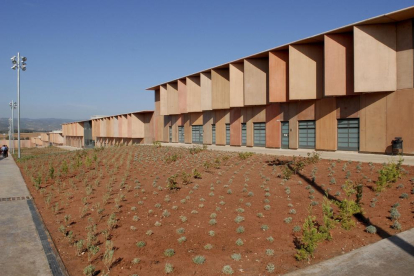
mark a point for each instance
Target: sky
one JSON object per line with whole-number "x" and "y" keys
{"x": 92, "y": 57}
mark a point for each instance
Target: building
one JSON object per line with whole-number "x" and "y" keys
{"x": 127, "y": 129}
{"x": 347, "y": 89}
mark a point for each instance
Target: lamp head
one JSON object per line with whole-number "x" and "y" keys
{"x": 14, "y": 67}
{"x": 24, "y": 58}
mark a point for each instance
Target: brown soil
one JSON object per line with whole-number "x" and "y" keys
{"x": 144, "y": 171}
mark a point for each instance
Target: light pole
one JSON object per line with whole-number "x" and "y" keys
{"x": 18, "y": 64}
{"x": 13, "y": 106}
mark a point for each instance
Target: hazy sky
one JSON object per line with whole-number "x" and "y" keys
{"x": 97, "y": 57}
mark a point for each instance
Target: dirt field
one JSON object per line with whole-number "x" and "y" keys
{"x": 241, "y": 213}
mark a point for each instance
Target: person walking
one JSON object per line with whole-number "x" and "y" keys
{"x": 5, "y": 151}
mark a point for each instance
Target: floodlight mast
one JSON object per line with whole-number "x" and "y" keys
{"x": 18, "y": 64}
{"x": 13, "y": 106}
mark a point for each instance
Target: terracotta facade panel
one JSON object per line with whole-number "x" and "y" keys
{"x": 205, "y": 83}
{"x": 326, "y": 124}
{"x": 236, "y": 84}
{"x": 182, "y": 96}
{"x": 193, "y": 94}
{"x": 256, "y": 81}
{"x": 235, "y": 126}
{"x": 220, "y": 88}
{"x": 279, "y": 76}
{"x": 273, "y": 131}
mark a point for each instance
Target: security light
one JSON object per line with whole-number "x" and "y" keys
{"x": 13, "y": 58}
{"x": 14, "y": 67}
{"x": 24, "y": 68}
{"x": 24, "y": 58}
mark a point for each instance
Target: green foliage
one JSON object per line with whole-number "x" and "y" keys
{"x": 169, "y": 252}
{"x": 51, "y": 172}
{"x": 287, "y": 172}
{"x": 64, "y": 168}
{"x": 156, "y": 144}
{"x": 171, "y": 158}
{"x": 236, "y": 256}
{"x": 196, "y": 149}
{"x": 329, "y": 222}
{"x": 349, "y": 207}
{"x": 186, "y": 178}
{"x": 172, "y": 182}
{"x": 89, "y": 270}
{"x": 270, "y": 268}
{"x": 199, "y": 259}
{"x": 389, "y": 174}
{"x": 196, "y": 174}
{"x": 141, "y": 244}
{"x": 169, "y": 268}
{"x": 371, "y": 229}
{"x": 227, "y": 270}
{"x": 310, "y": 238}
{"x": 112, "y": 221}
{"x": 245, "y": 155}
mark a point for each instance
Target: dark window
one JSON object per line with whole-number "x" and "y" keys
{"x": 243, "y": 134}
{"x": 227, "y": 134}
{"x": 348, "y": 134}
{"x": 213, "y": 131}
{"x": 170, "y": 134}
{"x": 197, "y": 134}
{"x": 181, "y": 134}
{"x": 259, "y": 134}
{"x": 307, "y": 134}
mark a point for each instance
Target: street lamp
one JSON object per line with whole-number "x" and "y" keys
{"x": 18, "y": 64}
{"x": 13, "y": 106}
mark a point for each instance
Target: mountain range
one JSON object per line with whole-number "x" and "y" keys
{"x": 34, "y": 125}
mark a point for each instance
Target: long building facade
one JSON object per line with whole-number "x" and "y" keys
{"x": 348, "y": 89}
{"x": 123, "y": 129}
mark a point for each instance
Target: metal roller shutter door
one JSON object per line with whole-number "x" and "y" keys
{"x": 181, "y": 134}
{"x": 170, "y": 134}
{"x": 197, "y": 133}
{"x": 307, "y": 134}
{"x": 213, "y": 131}
{"x": 348, "y": 134}
{"x": 259, "y": 134}
{"x": 243, "y": 134}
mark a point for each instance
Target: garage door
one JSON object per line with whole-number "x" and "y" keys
{"x": 307, "y": 134}
{"x": 227, "y": 134}
{"x": 197, "y": 133}
{"x": 285, "y": 135}
{"x": 243, "y": 134}
{"x": 259, "y": 134}
{"x": 213, "y": 131}
{"x": 348, "y": 134}
{"x": 181, "y": 134}
{"x": 170, "y": 134}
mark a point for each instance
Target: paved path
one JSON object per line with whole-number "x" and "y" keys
{"x": 343, "y": 155}
{"x": 21, "y": 248}
{"x": 392, "y": 256}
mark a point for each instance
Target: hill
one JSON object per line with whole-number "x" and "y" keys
{"x": 34, "y": 125}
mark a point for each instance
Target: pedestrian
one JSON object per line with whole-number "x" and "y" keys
{"x": 5, "y": 151}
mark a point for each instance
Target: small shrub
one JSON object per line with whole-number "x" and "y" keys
{"x": 169, "y": 268}
{"x": 270, "y": 252}
{"x": 208, "y": 246}
{"x": 239, "y": 219}
{"x": 270, "y": 239}
{"x": 404, "y": 196}
{"x": 270, "y": 268}
{"x": 169, "y": 252}
{"x": 89, "y": 270}
{"x": 136, "y": 261}
{"x": 394, "y": 213}
{"x": 211, "y": 233}
{"x": 227, "y": 270}
{"x": 240, "y": 229}
{"x": 236, "y": 256}
{"x": 141, "y": 244}
{"x": 371, "y": 229}
{"x": 265, "y": 227}
{"x": 182, "y": 239}
{"x": 389, "y": 174}
{"x": 396, "y": 225}
{"x": 245, "y": 155}
{"x": 288, "y": 220}
{"x": 212, "y": 222}
{"x": 199, "y": 259}
{"x": 196, "y": 174}
{"x": 239, "y": 242}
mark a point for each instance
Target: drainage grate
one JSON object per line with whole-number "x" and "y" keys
{"x": 15, "y": 198}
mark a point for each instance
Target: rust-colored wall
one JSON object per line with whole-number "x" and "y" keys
{"x": 208, "y": 120}
{"x": 193, "y": 94}
{"x": 205, "y": 83}
{"x": 339, "y": 64}
{"x": 172, "y": 98}
{"x": 220, "y": 122}
{"x": 163, "y": 100}
{"x": 326, "y": 124}
{"x": 196, "y": 119}
{"x": 235, "y": 126}
{"x": 256, "y": 81}
{"x": 279, "y": 76}
{"x": 306, "y": 71}
{"x": 405, "y": 55}
{"x": 182, "y": 96}
{"x": 273, "y": 132}
{"x": 400, "y": 115}
{"x": 347, "y": 107}
{"x": 166, "y": 129}
{"x": 373, "y": 122}
{"x": 220, "y": 88}
{"x": 174, "y": 128}
{"x": 236, "y": 84}
{"x": 375, "y": 58}
{"x": 187, "y": 129}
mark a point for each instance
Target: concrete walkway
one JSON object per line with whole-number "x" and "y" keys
{"x": 343, "y": 155}
{"x": 21, "y": 249}
{"x": 391, "y": 256}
